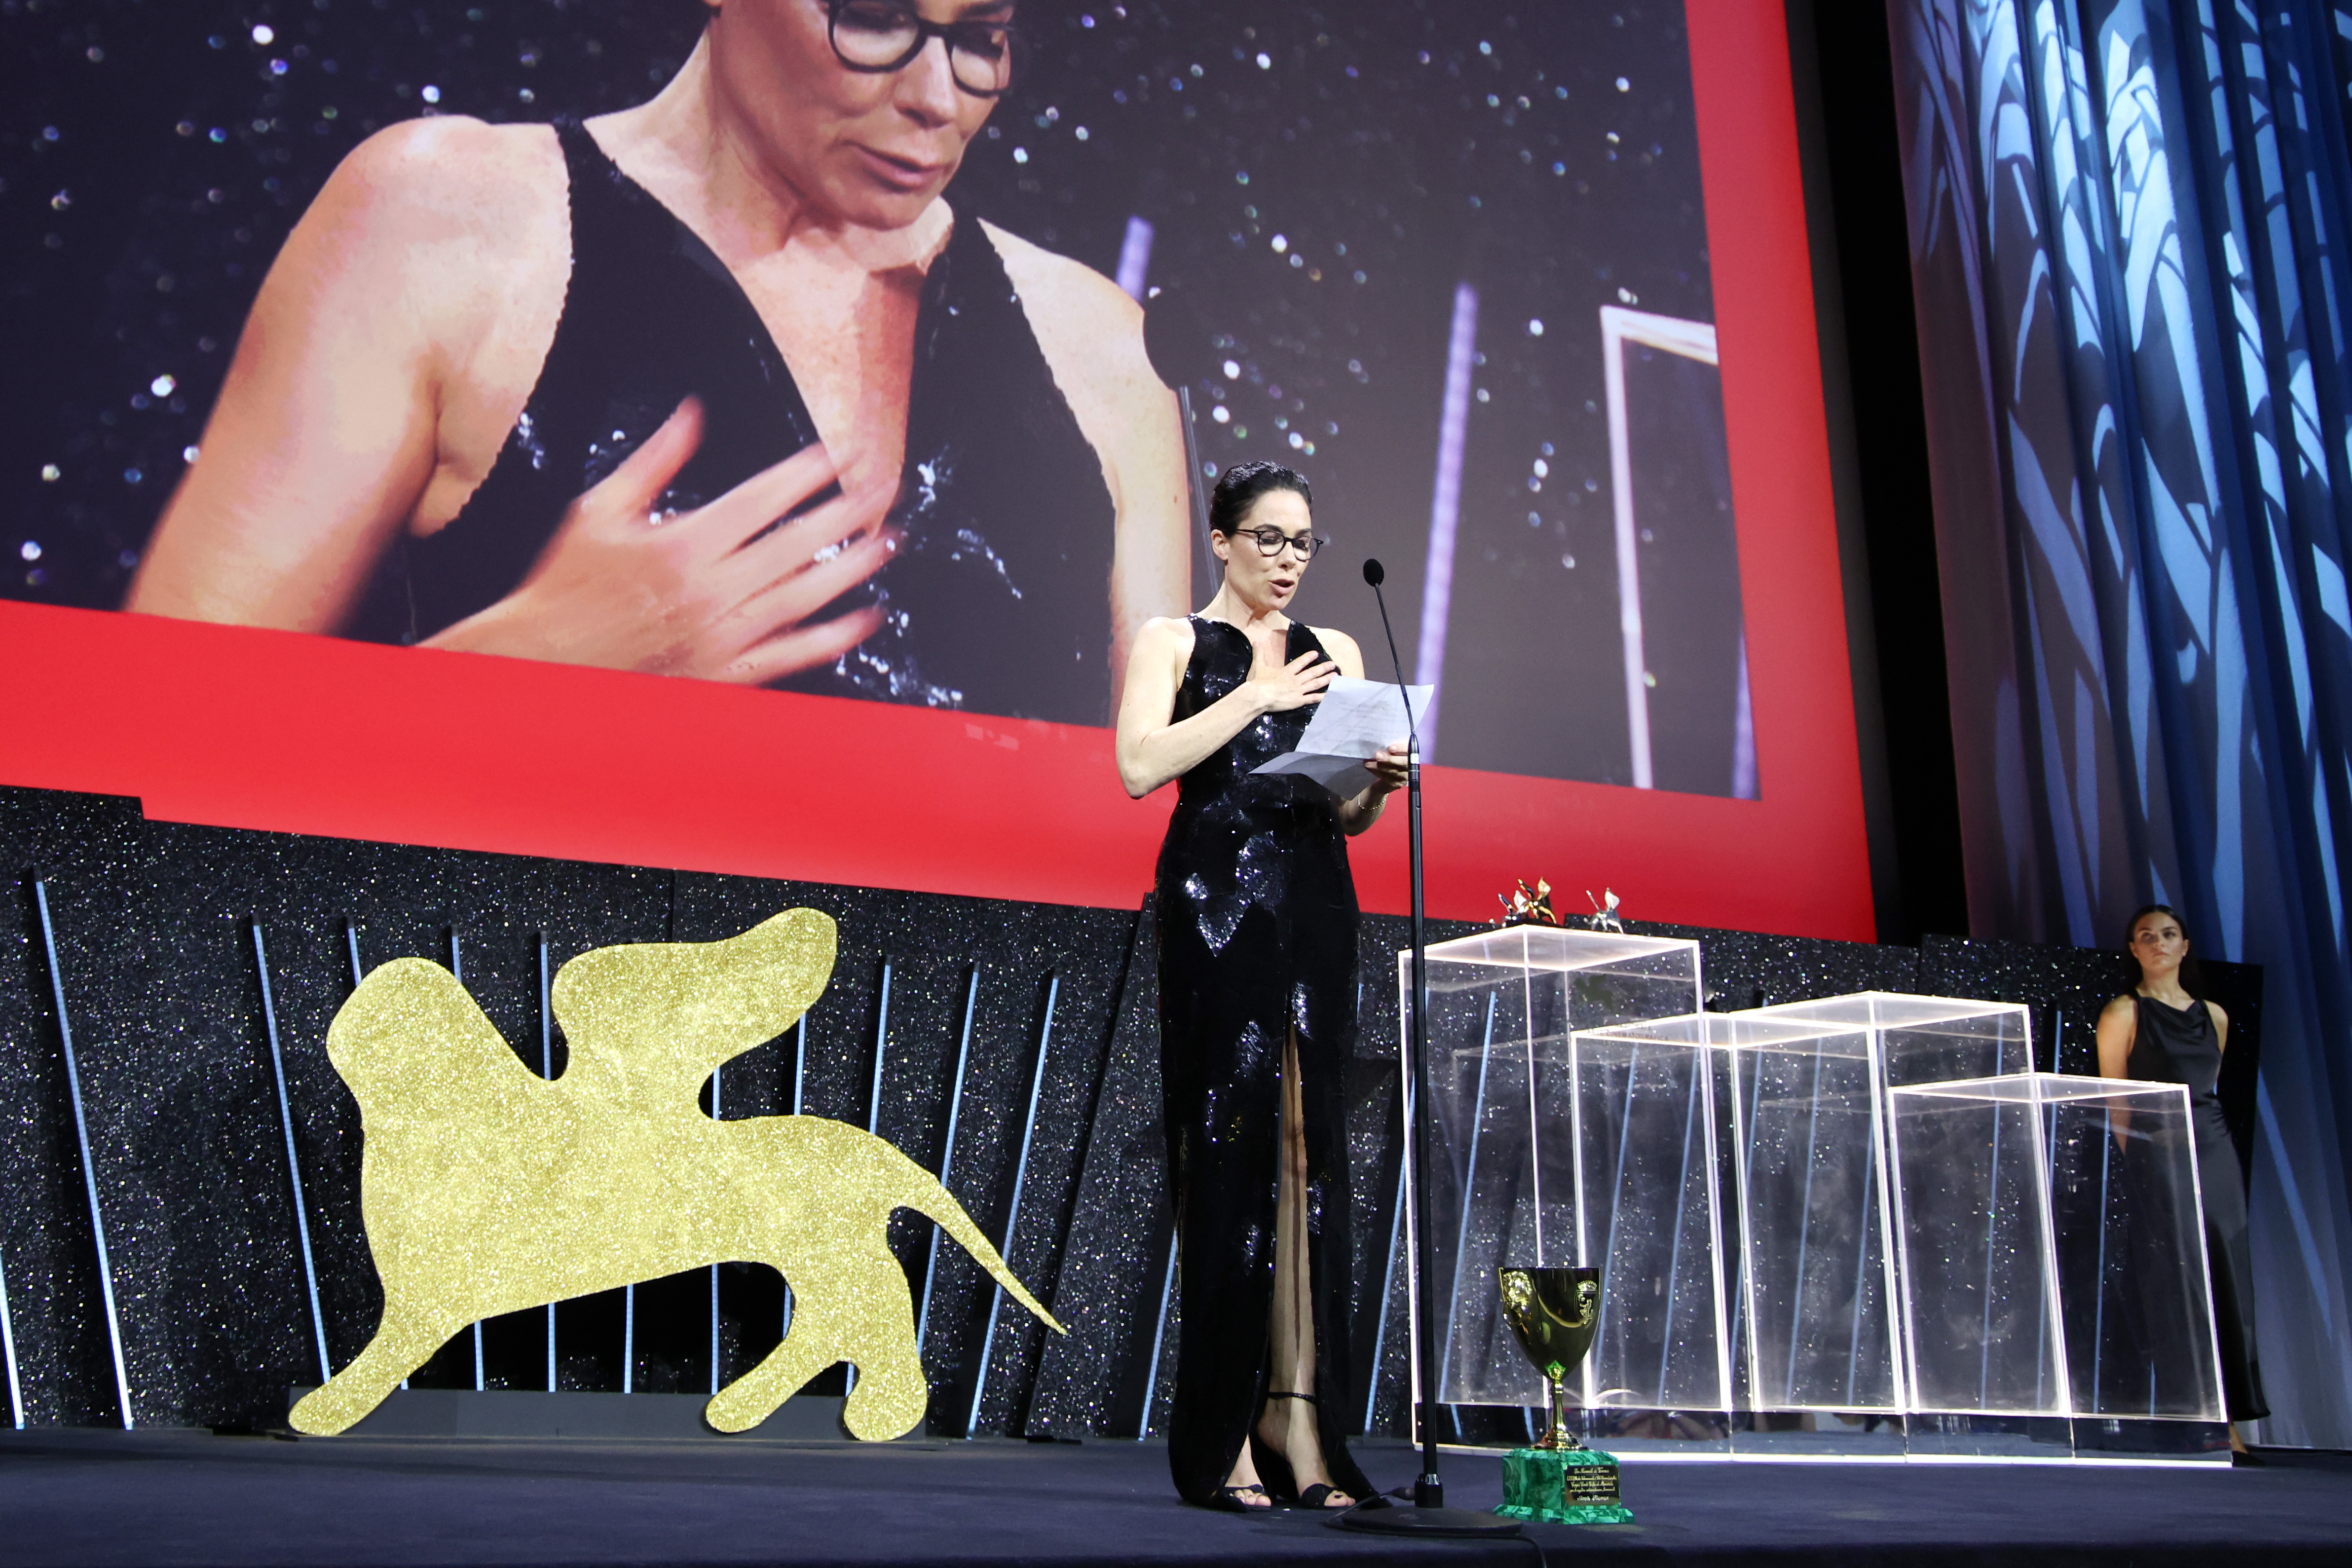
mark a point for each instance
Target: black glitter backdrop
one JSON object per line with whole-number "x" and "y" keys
{"x": 1319, "y": 179}
{"x": 153, "y": 931}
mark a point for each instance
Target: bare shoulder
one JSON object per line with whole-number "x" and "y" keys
{"x": 445, "y": 239}
{"x": 451, "y": 172}
{"x": 1172, "y": 633}
{"x": 2121, "y": 1008}
{"x": 1091, "y": 331}
{"x": 1156, "y": 664}
{"x": 1092, "y": 302}
{"x": 1342, "y": 649}
{"x": 2221, "y": 1019}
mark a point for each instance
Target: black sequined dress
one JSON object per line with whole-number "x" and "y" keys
{"x": 999, "y": 600}
{"x": 2179, "y": 1045}
{"x": 1257, "y": 916}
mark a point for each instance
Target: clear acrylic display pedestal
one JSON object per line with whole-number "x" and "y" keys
{"x": 1861, "y": 1225}
{"x": 1504, "y": 1007}
{"x": 2052, "y": 1263}
{"x": 1925, "y": 1040}
{"x": 1802, "y": 1395}
{"x": 1816, "y": 1354}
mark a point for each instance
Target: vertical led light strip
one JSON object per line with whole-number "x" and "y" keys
{"x": 1674, "y": 1254}
{"x": 1992, "y": 1256}
{"x": 1714, "y": 1157}
{"x": 2053, "y": 1313}
{"x": 1388, "y": 1274}
{"x": 1469, "y": 1195}
{"x": 293, "y": 1160}
{"x": 873, "y": 1125}
{"x": 1535, "y": 1115}
{"x": 947, "y": 1153}
{"x": 1693, "y": 339}
{"x": 1616, "y": 1212}
{"x": 714, "y": 1267}
{"x": 8, "y": 1348}
{"x": 1745, "y": 1108}
{"x": 1804, "y": 1224}
{"x": 89, "y": 1167}
{"x": 1576, "y": 1155}
{"x": 1862, "y": 1283}
{"x": 1012, "y": 1212}
{"x": 1160, "y": 1338}
{"x": 881, "y": 1049}
{"x": 547, "y": 1072}
{"x": 458, "y": 972}
{"x": 799, "y": 1068}
{"x": 359, "y": 975}
{"x": 1445, "y": 508}
{"x": 1135, "y": 258}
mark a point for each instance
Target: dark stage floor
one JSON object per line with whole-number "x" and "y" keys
{"x": 76, "y": 1497}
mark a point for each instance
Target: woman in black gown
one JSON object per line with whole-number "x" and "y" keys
{"x": 2163, "y": 1034}
{"x": 1257, "y": 1008}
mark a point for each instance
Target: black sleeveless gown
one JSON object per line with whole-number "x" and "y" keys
{"x": 2174, "y": 1045}
{"x": 1257, "y": 939}
{"x": 999, "y": 600}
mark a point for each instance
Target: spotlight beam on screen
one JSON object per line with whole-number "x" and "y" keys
{"x": 1692, "y": 340}
{"x": 1445, "y": 508}
{"x": 1135, "y": 258}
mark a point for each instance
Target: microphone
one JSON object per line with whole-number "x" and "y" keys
{"x": 1375, "y": 575}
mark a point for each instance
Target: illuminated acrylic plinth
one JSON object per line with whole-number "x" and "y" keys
{"x": 2051, "y": 1256}
{"x": 1816, "y": 1264}
{"x": 1503, "y": 1006}
{"x": 1925, "y": 1040}
{"x": 1653, "y": 1125}
{"x": 1821, "y": 1329}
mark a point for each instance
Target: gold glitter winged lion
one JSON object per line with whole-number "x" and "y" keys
{"x": 488, "y": 1189}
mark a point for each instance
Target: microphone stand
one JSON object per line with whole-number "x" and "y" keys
{"x": 1428, "y": 1515}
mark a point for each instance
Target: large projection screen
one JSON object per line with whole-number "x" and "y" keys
{"x": 1523, "y": 290}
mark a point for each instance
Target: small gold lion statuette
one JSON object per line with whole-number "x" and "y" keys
{"x": 488, "y": 1189}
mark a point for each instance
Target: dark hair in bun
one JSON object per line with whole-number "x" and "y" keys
{"x": 1239, "y": 486}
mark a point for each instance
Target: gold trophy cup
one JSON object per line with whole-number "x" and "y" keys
{"x": 1554, "y": 1312}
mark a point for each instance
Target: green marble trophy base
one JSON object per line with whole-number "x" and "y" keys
{"x": 1562, "y": 1486}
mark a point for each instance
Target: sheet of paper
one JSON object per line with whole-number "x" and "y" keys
{"x": 1343, "y": 776}
{"x": 1355, "y": 719}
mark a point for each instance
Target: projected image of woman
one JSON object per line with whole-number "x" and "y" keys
{"x": 2163, "y": 1033}
{"x": 1257, "y": 914}
{"x": 547, "y": 392}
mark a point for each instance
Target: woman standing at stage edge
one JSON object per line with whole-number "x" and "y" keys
{"x": 1257, "y": 1008}
{"x": 2163, "y": 1034}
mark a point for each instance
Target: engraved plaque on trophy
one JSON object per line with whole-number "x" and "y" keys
{"x": 1554, "y": 1313}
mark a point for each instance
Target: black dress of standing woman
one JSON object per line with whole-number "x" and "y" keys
{"x": 2162, "y": 1033}
{"x": 1257, "y": 1008}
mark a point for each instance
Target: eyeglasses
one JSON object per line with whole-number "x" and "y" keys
{"x": 1270, "y": 542}
{"x": 878, "y": 36}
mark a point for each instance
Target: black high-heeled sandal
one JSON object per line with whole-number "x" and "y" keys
{"x": 1228, "y": 1498}
{"x": 1281, "y": 1480}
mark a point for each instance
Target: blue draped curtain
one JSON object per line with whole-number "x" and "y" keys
{"x": 2130, "y": 260}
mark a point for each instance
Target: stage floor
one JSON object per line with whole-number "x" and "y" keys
{"x": 97, "y": 1498}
